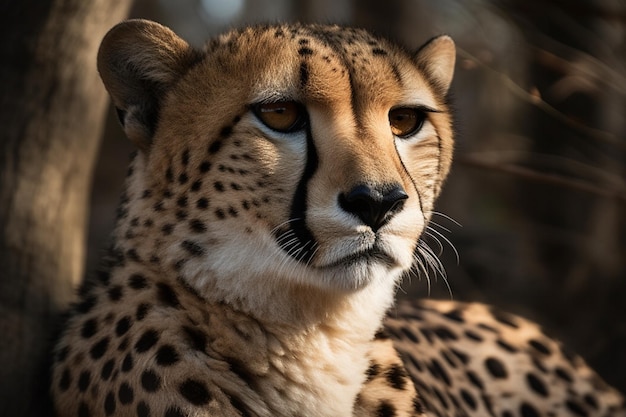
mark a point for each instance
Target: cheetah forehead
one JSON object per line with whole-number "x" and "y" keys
{"x": 320, "y": 63}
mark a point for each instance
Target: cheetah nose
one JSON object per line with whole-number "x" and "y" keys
{"x": 374, "y": 206}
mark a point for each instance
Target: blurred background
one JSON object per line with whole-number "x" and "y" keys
{"x": 535, "y": 204}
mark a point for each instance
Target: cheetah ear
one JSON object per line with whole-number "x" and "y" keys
{"x": 436, "y": 58}
{"x": 138, "y": 61}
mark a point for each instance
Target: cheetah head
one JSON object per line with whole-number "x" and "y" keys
{"x": 280, "y": 157}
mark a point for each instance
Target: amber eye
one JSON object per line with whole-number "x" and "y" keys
{"x": 282, "y": 116}
{"x": 405, "y": 121}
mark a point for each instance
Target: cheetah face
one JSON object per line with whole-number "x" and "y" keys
{"x": 282, "y": 155}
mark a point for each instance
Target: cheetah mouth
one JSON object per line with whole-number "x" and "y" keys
{"x": 370, "y": 256}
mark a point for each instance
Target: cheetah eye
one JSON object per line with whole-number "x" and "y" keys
{"x": 281, "y": 116}
{"x": 405, "y": 121}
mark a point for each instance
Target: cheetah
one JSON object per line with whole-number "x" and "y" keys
{"x": 282, "y": 179}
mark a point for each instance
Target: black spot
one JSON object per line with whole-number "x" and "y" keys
{"x": 109, "y": 404}
{"x": 167, "y": 228}
{"x": 396, "y": 377}
{"x": 205, "y": 166}
{"x": 378, "y": 51}
{"x": 239, "y": 406}
{"x": 125, "y": 393}
{"x": 137, "y": 282}
{"x": 304, "y": 51}
{"x": 219, "y": 186}
{"x": 123, "y": 345}
{"x": 182, "y": 201}
{"x": 468, "y": 399}
{"x": 235, "y": 186}
{"x": 83, "y": 410}
{"x": 122, "y": 325}
{"x": 239, "y": 369}
{"x": 83, "y": 381}
{"x": 115, "y": 293}
{"x": 488, "y": 327}
{"x": 455, "y": 315}
{"x": 215, "y": 147}
{"x": 65, "y": 381}
{"x": 496, "y": 368}
{"x": 195, "y": 186}
{"x": 226, "y": 131}
{"x": 86, "y": 305}
{"x": 196, "y": 338}
{"x": 304, "y": 74}
{"x": 167, "y": 295}
{"x": 132, "y": 255}
{"x": 504, "y": 318}
{"x": 460, "y": 355}
{"x": 473, "y": 336}
{"x": 197, "y": 226}
{"x": 527, "y": 410}
{"x": 219, "y": 213}
{"x": 576, "y": 408}
{"x": 444, "y": 333}
{"x": 195, "y": 392}
{"x": 439, "y": 371}
{"x": 539, "y": 346}
{"x": 158, "y": 206}
{"x": 506, "y": 346}
{"x": 193, "y": 248}
{"x": 147, "y": 340}
{"x": 174, "y": 412}
{"x": 90, "y": 327}
{"x": 127, "y": 363}
{"x": 166, "y": 355}
{"x": 181, "y": 214}
{"x": 150, "y": 380}
{"x": 202, "y": 203}
{"x": 441, "y": 398}
{"x": 409, "y": 334}
{"x": 381, "y": 334}
{"x": 385, "y": 409}
{"x": 372, "y": 371}
{"x": 142, "y": 311}
{"x": 564, "y": 375}
{"x": 536, "y": 385}
{"x": 185, "y": 157}
{"x": 142, "y": 409}
{"x": 107, "y": 368}
{"x": 475, "y": 380}
{"x": 232, "y": 212}
{"x": 146, "y": 194}
{"x": 98, "y": 349}
{"x": 169, "y": 175}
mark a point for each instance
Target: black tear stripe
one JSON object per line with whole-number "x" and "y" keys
{"x": 297, "y": 239}
{"x": 417, "y": 190}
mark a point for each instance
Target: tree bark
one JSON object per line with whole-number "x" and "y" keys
{"x": 52, "y": 107}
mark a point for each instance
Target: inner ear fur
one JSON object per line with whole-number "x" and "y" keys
{"x": 436, "y": 58}
{"x": 138, "y": 61}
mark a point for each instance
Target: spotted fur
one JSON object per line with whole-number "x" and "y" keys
{"x": 252, "y": 263}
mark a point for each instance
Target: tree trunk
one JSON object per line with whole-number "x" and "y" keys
{"x": 52, "y": 107}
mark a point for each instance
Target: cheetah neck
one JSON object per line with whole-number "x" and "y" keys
{"x": 298, "y": 368}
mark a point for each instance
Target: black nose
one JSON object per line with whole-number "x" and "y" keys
{"x": 374, "y": 206}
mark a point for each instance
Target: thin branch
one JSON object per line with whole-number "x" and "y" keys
{"x": 532, "y": 175}
{"x": 536, "y": 100}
